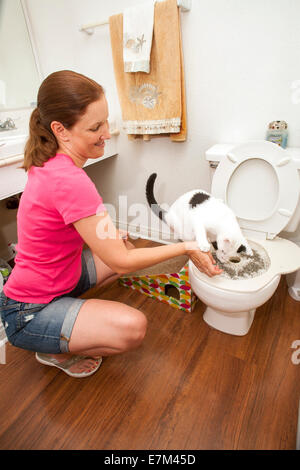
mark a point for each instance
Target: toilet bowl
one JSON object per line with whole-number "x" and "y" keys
{"x": 260, "y": 181}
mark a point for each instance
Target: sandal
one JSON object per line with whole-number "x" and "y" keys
{"x": 65, "y": 365}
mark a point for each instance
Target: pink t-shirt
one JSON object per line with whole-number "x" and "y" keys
{"x": 48, "y": 260}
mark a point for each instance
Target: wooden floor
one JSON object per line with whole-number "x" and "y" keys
{"x": 187, "y": 387}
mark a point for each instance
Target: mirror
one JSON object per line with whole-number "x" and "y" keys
{"x": 19, "y": 73}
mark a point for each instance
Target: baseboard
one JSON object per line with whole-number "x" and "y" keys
{"x": 143, "y": 231}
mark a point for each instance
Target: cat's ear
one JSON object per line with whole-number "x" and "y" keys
{"x": 215, "y": 245}
{"x": 245, "y": 249}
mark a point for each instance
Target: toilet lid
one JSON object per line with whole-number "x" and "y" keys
{"x": 259, "y": 181}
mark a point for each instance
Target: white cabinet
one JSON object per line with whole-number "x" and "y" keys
{"x": 12, "y": 180}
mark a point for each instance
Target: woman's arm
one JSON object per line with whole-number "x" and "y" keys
{"x": 104, "y": 240}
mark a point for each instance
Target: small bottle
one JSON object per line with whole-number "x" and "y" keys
{"x": 277, "y": 133}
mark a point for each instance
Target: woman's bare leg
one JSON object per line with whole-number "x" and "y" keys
{"x": 103, "y": 327}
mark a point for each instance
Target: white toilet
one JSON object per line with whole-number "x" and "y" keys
{"x": 260, "y": 181}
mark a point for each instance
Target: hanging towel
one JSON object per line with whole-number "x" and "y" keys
{"x": 137, "y": 37}
{"x": 153, "y": 103}
{"x": 181, "y": 135}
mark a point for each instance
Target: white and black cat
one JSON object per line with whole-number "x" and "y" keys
{"x": 196, "y": 215}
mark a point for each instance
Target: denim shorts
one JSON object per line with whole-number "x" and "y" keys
{"x": 47, "y": 327}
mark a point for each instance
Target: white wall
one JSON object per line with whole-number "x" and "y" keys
{"x": 241, "y": 60}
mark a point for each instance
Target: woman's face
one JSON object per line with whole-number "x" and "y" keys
{"x": 86, "y": 139}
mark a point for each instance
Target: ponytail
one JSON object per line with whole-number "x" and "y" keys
{"x": 41, "y": 144}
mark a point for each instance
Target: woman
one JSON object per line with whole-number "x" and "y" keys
{"x": 60, "y": 209}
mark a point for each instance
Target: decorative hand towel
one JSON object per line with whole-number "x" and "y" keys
{"x": 153, "y": 103}
{"x": 137, "y": 37}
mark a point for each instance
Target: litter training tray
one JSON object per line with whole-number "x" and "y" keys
{"x": 284, "y": 258}
{"x": 243, "y": 266}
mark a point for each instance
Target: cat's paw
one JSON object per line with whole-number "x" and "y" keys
{"x": 204, "y": 247}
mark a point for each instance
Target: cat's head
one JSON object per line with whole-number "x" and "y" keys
{"x": 227, "y": 248}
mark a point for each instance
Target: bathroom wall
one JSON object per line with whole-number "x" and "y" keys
{"x": 242, "y": 71}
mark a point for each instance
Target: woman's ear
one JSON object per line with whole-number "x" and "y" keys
{"x": 60, "y": 132}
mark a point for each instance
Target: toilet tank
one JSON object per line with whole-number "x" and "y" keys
{"x": 219, "y": 151}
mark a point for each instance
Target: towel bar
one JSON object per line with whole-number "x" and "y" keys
{"x": 185, "y": 5}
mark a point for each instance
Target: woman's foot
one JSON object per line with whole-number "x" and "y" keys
{"x": 73, "y": 365}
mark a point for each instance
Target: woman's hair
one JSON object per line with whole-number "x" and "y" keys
{"x": 63, "y": 96}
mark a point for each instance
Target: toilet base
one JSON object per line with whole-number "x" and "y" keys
{"x": 293, "y": 282}
{"x": 236, "y": 323}
{"x": 294, "y": 293}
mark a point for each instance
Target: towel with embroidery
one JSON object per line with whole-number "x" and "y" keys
{"x": 137, "y": 37}
{"x": 153, "y": 103}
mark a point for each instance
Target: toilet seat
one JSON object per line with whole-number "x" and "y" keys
{"x": 260, "y": 182}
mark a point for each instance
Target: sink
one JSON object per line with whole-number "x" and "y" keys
{"x": 11, "y": 146}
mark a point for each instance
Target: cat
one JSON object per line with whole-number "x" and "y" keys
{"x": 197, "y": 215}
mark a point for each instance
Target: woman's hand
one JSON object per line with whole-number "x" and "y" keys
{"x": 203, "y": 261}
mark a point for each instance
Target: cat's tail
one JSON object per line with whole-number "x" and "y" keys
{"x": 151, "y": 199}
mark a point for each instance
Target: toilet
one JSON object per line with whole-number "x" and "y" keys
{"x": 260, "y": 182}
